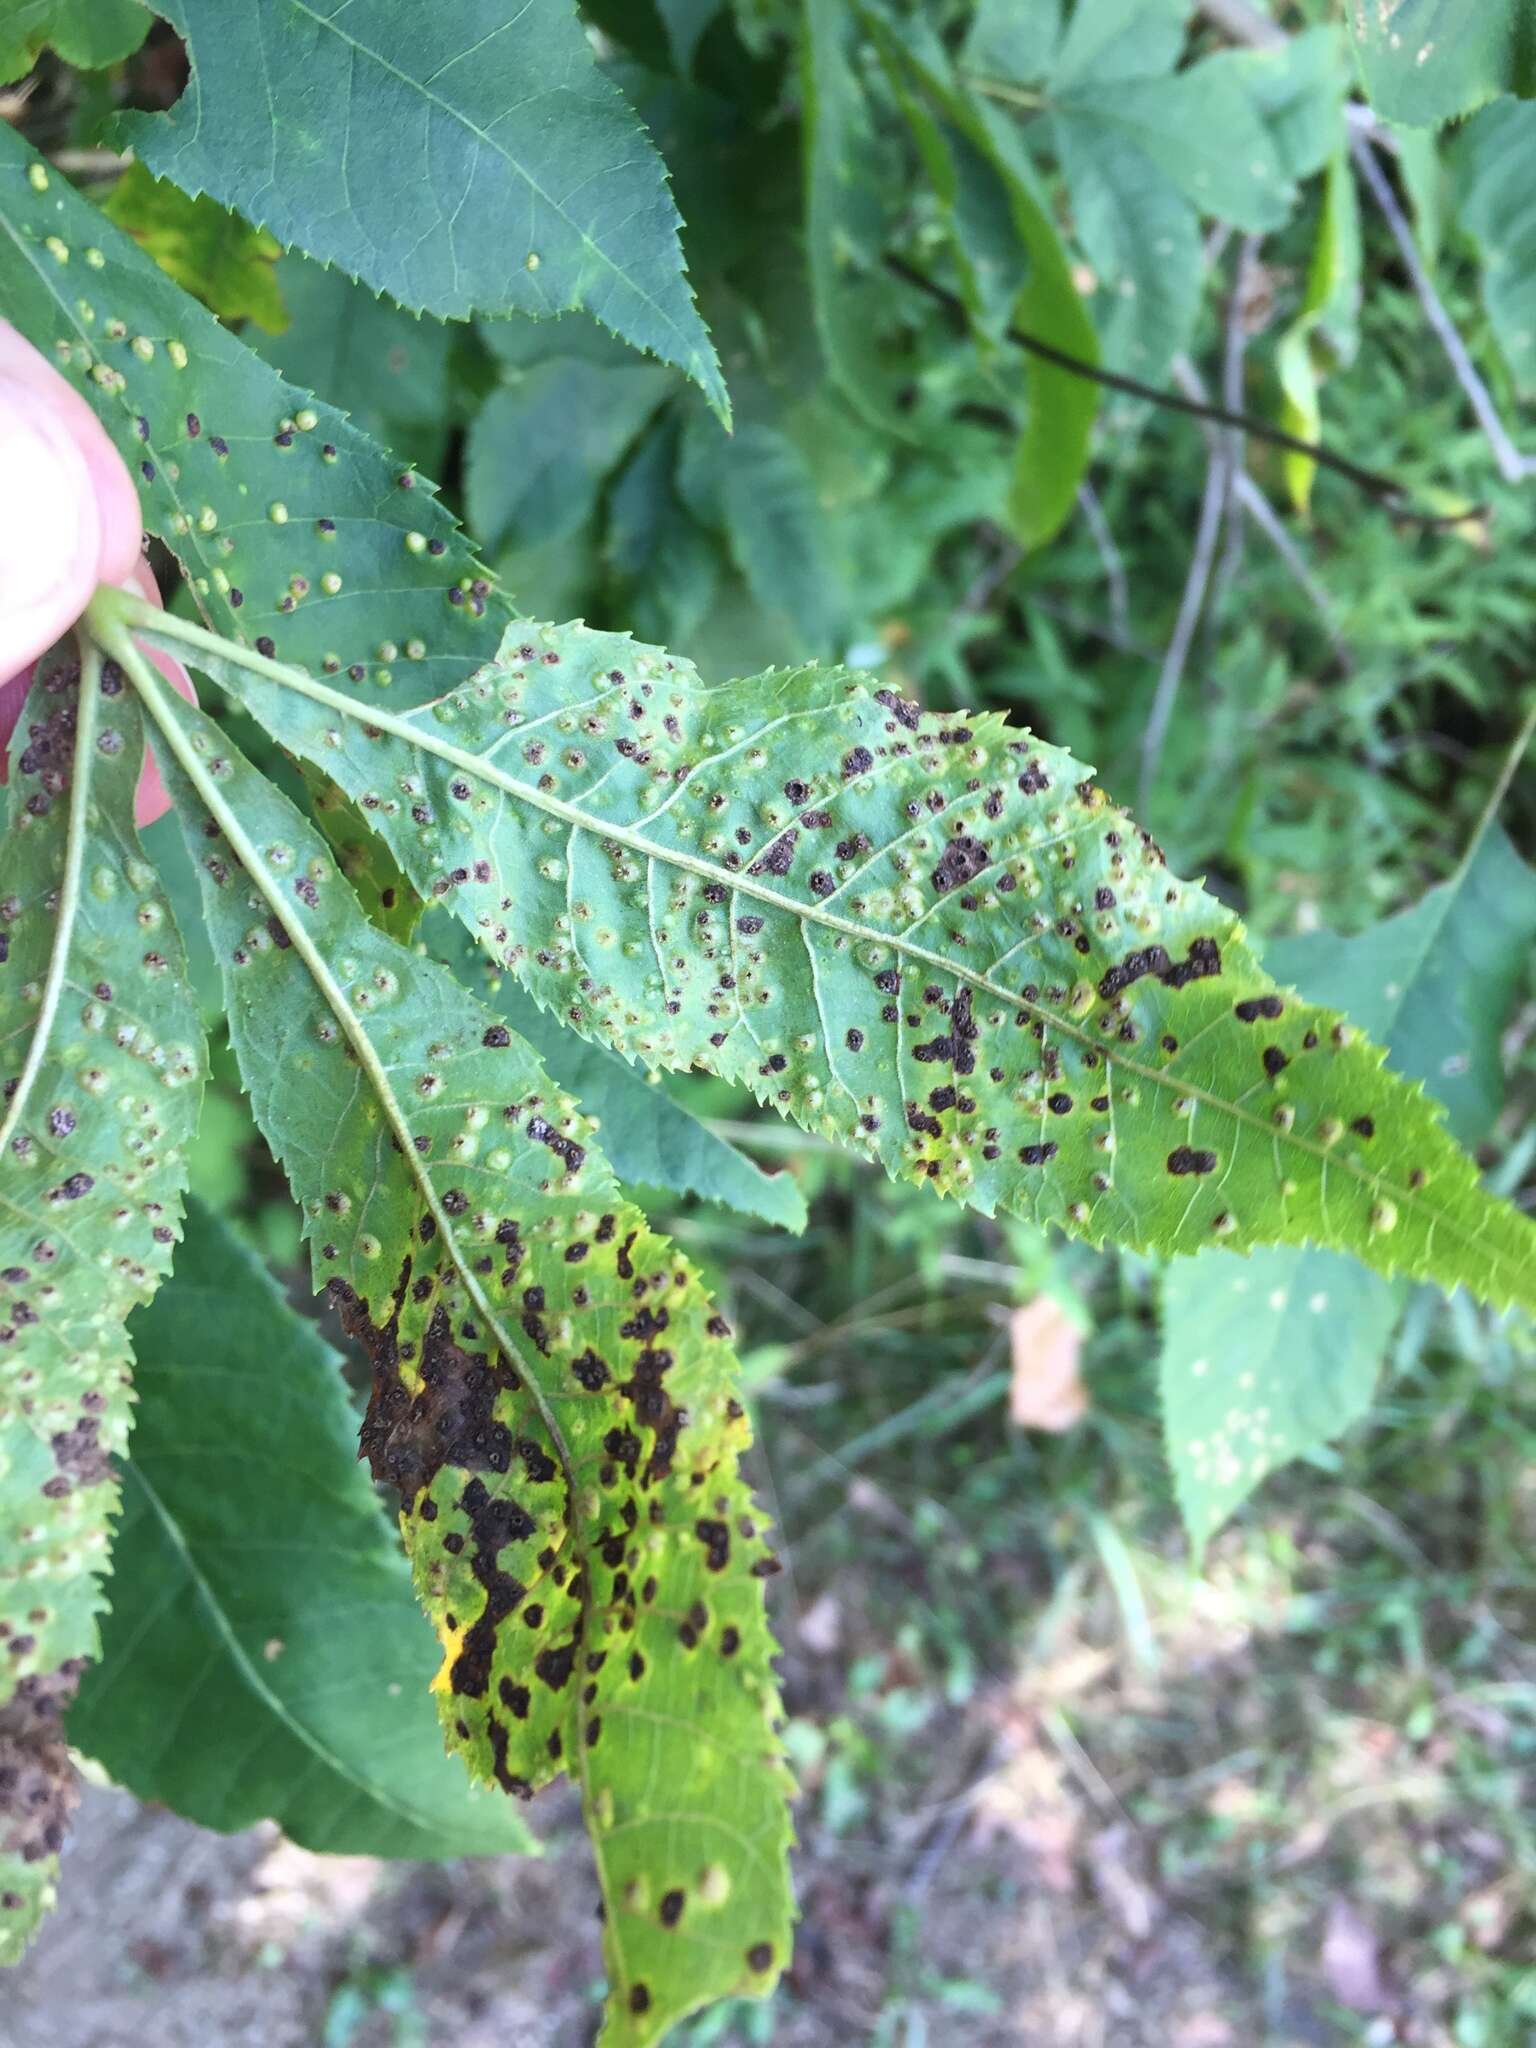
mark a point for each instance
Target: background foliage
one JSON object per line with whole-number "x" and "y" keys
{"x": 1333, "y": 693}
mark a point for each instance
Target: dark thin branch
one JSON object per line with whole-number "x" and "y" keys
{"x": 1385, "y": 490}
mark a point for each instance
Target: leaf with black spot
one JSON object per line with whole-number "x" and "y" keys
{"x": 961, "y": 960}
{"x": 553, "y": 1399}
{"x": 101, "y": 1064}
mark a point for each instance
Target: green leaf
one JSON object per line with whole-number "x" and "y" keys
{"x": 1427, "y": 61}
{"x": 465, "y": 159}
{"x": 757, "y": 485}
{"x": 1298, "y": 88}
{"x": 1436, "y": 983}
{"x": 392, "y": 368}
{"x": 101, "y": 1055}
{"x": 926, "y": 936}
{"x": 1273, "y": 1357}
{"x": 834, "y": 131}
{"x": 1264, "y": 1359}
{"x": 540, "y": 447}
{"x": 1202, "y": 132}
{"x": 1052, "y": 454}
{"x": 210, "y": 252}
{"x": 90, "y": 34}
{"x": 1327, "y": 329}
{"x": 668, "y": 566}
{"x": 263, "y": 1658}
{"x": 554, "y": 1397}
{"x": 262, "y": 492}
{"x": 650, "y": 1140}
{"x": 1142, "y": 237}
{"x": 1493, "y": 161}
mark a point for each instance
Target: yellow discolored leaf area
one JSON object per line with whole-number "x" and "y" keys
{"x": 209, "y": 251}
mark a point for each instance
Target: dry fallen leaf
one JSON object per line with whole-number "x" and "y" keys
{"x": 1047, "y": 1391}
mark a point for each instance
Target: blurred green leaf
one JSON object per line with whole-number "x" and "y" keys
{"x": 1327, "y": 329}
{"x": 1426, "y": 61}
{"x": 263, "y": 1658}
{"x": 1493, "y": 165}
{"x": 89, "y": 34}
{"x": 540, "y": 447}
{"x": 211, "y": 252}
{"x": 667, "y": 565}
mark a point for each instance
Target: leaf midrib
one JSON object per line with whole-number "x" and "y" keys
{"x": 67, "y": 915}
{"x": 167, "y": 626}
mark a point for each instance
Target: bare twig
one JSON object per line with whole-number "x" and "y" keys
{"x": 1196, "y": 583}
{"x": 1114, "y": 564}
{"x": 1386, "y": 491}
{"x": 1513, "y": 466}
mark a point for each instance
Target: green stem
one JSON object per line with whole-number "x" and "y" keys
{"x": 88, "y": 703}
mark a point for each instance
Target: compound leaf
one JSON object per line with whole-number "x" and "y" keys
{"x": 295, "y": 529}
{"x": 263, "y": 1656}
{"x": 554, "y": 1398}
{"x": 102, "y": 1059}
{"x": 465, "y": 159}
{"x": 928, "y": 937}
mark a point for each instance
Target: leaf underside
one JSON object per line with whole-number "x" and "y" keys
{"x": 296, "y": 530}
{"x": 928, "y": 937}
{"x": 101, "y": 1058}
{"x": 553, "y": 1399}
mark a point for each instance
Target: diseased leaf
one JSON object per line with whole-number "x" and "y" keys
{"x": 1272, "y": 1357}
{"x": 263, "y": 1657}
{"x": 927, "y": 936}
{"x": 554, "y": 1398}
{"x": 90, "y": 34}
{"x": 466, "y": 159}
{"x": 101, "y": 1057}
{"x": 1427, "y": 61}
{"x": 296, "y": 531}
{"x": 377, "y": 879}
{"x": 1493, "y": 160}
{"x": 210, "y": 252}
{"x": 649, "y": 1139}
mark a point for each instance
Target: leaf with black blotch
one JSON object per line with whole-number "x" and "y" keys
{"x": 554, "y": 1398}
{"x": 263, "y": 1658}
{"x": 102, "y": 1060}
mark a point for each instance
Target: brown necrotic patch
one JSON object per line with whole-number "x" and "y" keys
{"x": 1203, "y": 958}
{"x": 1185, "y": 1159}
